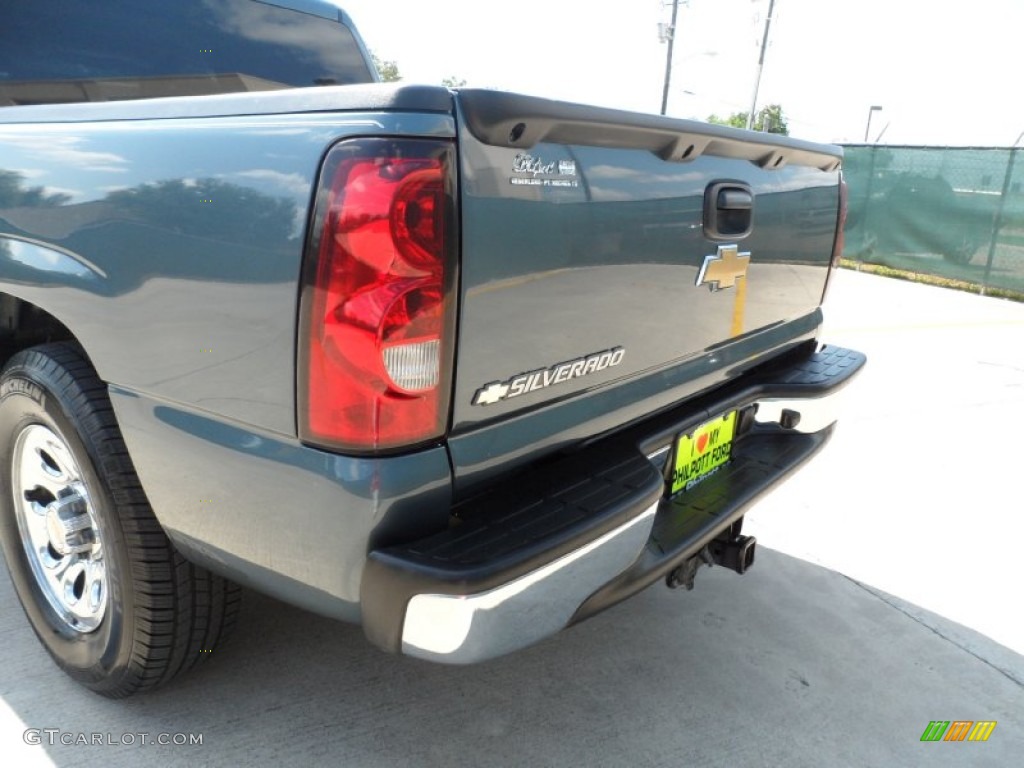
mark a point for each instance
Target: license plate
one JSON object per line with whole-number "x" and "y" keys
{"x": 700, "y": 453}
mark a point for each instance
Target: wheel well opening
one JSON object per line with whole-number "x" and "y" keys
{"x": 24, "y": 325}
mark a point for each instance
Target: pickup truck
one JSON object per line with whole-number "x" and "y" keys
{"x": 462, "y": 366}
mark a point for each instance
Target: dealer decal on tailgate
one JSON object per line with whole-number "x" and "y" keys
{"x": 700, "y": 453}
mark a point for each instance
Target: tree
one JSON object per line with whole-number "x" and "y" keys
{"x": 14, "y": 193}
{"x": 388, "y": 70}
{"x": 454, "y": 82}
{"x": 770, "y": 119}
{"x": 211, "y": 208}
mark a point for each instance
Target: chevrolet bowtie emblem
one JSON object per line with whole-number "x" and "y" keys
{"x": 723, "y": 269}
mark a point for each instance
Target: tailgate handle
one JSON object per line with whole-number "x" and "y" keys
{"x": 735, "y": 200}
{"x": 728, "y": 210}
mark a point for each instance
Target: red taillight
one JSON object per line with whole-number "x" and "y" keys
{"x": 840, "y": 239}
{"x": 376, "y": 312}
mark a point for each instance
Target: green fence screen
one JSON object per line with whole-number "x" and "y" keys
{"x": 951, "y": 212}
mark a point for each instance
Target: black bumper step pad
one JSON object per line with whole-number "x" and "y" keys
{"x": 566, "y": 501}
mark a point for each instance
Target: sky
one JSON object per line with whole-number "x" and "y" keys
{"x": 945, "y": 73}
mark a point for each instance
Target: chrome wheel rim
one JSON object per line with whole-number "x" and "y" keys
{"x": 58, "y": 528}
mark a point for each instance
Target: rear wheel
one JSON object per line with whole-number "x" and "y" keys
{"x": 963, "y": 251}
{"x": 118, "y": 608}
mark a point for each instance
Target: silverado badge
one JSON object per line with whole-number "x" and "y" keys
{"x": 559, "y": 373}
{"x": 723, "y": 269}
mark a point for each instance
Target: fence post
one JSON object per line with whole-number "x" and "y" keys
{"x": 997, "y": 220}
{"x": 867, "y": 208}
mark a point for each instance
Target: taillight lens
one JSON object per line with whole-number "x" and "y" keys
{"x": 840, "y": 240}
{"x": 377, "y": 312}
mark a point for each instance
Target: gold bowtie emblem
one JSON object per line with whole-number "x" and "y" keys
{"x": 723, "y": 269}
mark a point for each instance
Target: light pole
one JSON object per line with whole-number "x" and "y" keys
{"x": 760, "y": 65}
{"x": 867, "y": 128}
{"x": 670, "y": 35}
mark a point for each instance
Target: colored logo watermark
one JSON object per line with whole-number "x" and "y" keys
{"x": 958, "y": 730}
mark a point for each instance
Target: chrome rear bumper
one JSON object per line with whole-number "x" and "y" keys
{"x": 461, "y": 629}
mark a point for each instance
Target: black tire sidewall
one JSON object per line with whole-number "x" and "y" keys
{"x": 30, "y": 395}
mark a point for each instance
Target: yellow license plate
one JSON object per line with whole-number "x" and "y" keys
{"x": 700, "y": 453}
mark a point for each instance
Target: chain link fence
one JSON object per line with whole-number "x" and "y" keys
{"x": 953, "y": 213}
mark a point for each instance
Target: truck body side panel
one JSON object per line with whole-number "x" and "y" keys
{"x": 172, "y": 247}
{"x": 271, "y": 513}
{"x": 169, "y": 238}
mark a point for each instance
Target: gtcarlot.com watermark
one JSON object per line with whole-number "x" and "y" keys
{"x": 55, "y": 736}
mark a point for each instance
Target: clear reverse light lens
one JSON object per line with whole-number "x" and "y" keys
{"x": 414, "y": 367}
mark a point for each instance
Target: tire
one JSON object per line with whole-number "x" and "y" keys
{"x": 962, "y": 253}
{"x": 111, "y": 600}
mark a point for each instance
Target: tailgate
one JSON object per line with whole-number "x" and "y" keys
{"x": 585, "y": 233}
